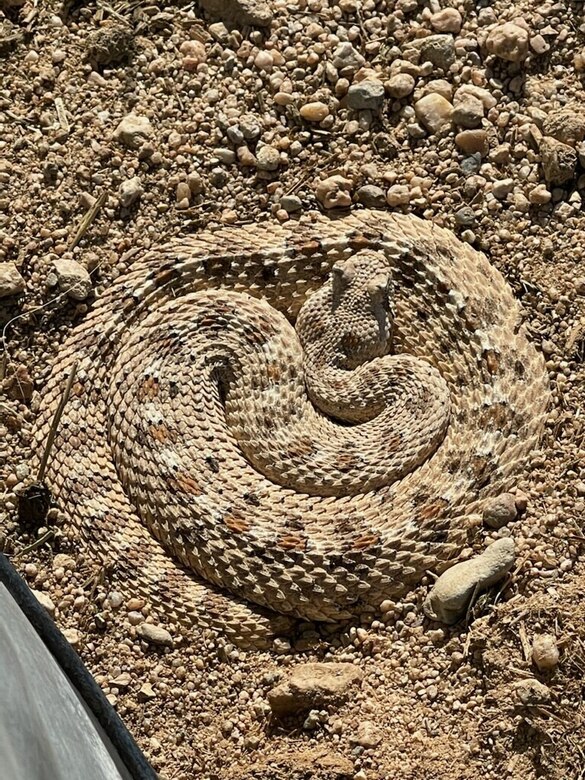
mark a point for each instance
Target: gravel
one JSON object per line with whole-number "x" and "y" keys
{"x": 169, "y": 118}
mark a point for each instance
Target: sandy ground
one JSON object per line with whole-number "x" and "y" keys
{"x": 246, "y": 122}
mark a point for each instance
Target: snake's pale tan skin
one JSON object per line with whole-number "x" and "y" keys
{"x": 238, "y": 473}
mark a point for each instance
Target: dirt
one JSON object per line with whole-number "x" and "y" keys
{"x": 435, "y": 701}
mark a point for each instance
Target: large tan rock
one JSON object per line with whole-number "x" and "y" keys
{"x": 11, "y": 282}
{"x": 509, "y": 42}
{"x": 452, "y": 592}
{"x": 313, "y": 686}
{"x": 435, "y": 112}
{"x": 559, "y": 160}
{"x": 240, "y": 12}
{"x": 566, "y": 125}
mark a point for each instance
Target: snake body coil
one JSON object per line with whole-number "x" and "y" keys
{"x": 220, "y": 459}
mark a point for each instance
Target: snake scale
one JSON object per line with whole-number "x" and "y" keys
{"x": 239, "y": 473}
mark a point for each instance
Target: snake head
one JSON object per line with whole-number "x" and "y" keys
{"x": 342, "y": 275}
{"x": 379, "y": 289}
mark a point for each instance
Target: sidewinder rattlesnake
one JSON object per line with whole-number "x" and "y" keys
{"x": 228, "y": 491}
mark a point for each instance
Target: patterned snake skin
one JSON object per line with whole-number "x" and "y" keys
{"x": 237, "y": 472}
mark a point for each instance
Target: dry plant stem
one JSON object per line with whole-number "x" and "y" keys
{"x": 61, "y": 115}
{"x": 36, "y": 544}
{"x": 88, "y": 219}
{"x": 55, "y": 424}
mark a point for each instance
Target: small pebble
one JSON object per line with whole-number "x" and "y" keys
{"x": 133, "y": 130}
{"x": 346, "y": 57}
{"x": 368, "y": 735}
{"x": 368, "y": 94}
{"x": 291, "y": 203}
{"x": 468, "y": 112}
{"x": 314, "y": 685}
{"x": 121, "y": 681}
{"x": 146, "y": 693}
{"x": 45, "y": 601}
{"x": 400, "y": 86}
{"x": 447, "y": 20}
{"x": 72, "y": 278}
{"x": 539, "y": 195}
{"x": 267, "y": 158}
{"x": 398, "y": 195}
{"x": 111, "y": 44}
{"x": 130, "y": 191}
{"x": 539, "y": 45}
{"x": 579, "y": 61}
{"x": 559, "y": 160}
{"x": 473, "y": 142}
{"x": 371, "y": 196}
{"x": 182, "y": 193}
{"x": 545, "y": 652}
{"x": 502, "y": 188}
{"x": 334, "y": 192}
{"x": 135, "y": 618}
{"x": 531, "y": 693}
{"x": 439, "y": 50}
{"x": 465, "y": 216}
{"x": 73, "y": 636}
{"x": 31, "y": 570}
{"x": 314, "y": 112}
{"x": 500, "y": 510}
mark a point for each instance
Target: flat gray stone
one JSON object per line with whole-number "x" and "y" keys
{"x": 346, "y": 56}
{"x": 371, "y": 196}
{"x": 367, "y": 94}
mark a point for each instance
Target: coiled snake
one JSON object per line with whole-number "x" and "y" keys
{"x": 238, "y": 472}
